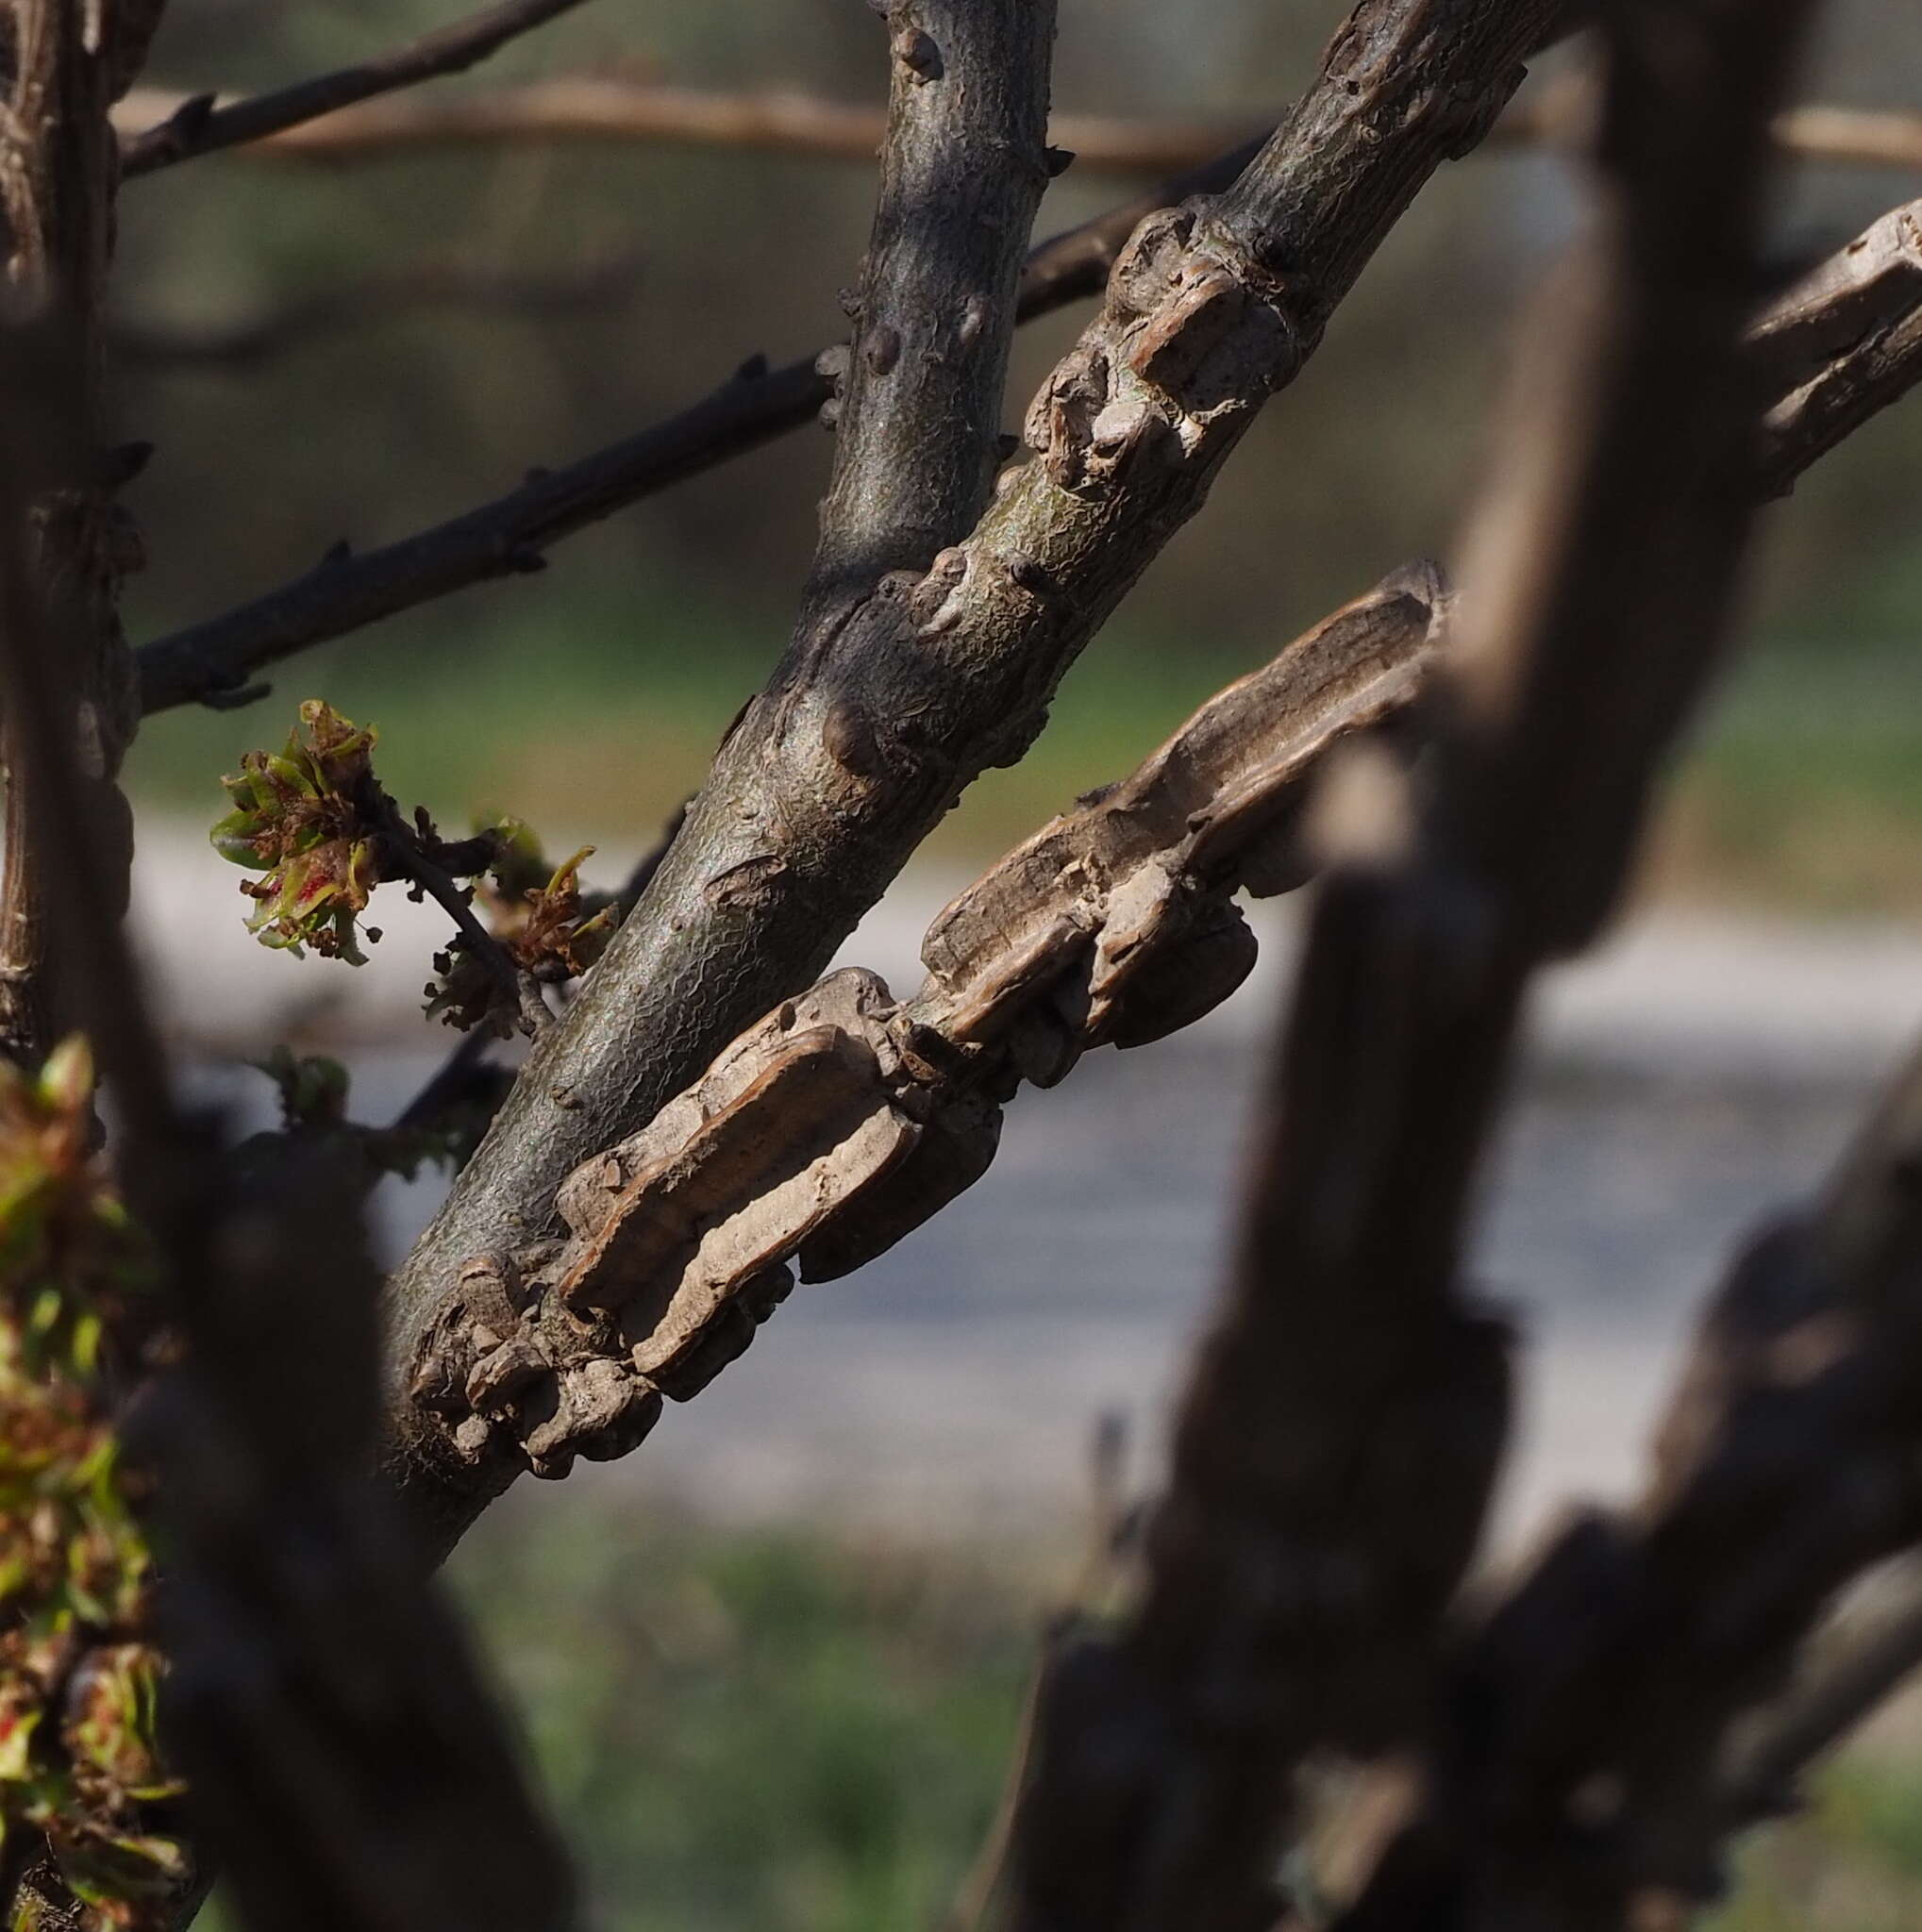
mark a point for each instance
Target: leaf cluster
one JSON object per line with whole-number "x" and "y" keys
{"x": 80, "y": 1769}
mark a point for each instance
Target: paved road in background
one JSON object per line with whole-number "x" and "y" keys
{"x": 1688, "y": 1077}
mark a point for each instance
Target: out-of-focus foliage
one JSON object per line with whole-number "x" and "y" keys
{"x": 755, "y": 1732}
{"x": 315, "y": 1091}
{"x": 80, "y": 1769}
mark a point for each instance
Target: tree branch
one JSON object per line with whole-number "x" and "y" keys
{"x": 198, "y": 127}
{"x": 603, "y": 107}
{"x": 844, "y": 1119}
{"x": 866, "y": 735}
{"x": 1347, "y": 1413}
{"x": 1786, "y": 1467}
{"x": 305, "y": 1652}
{"x": 56, "y": 212}
{"x": 1852, "y": 1674}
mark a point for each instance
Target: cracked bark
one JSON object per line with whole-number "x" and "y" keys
{"x": 58, "y": 176}
{"x": 838, "y": 770}
{"x": 845, "y": 1118}
{"x": 1346, "y": 1414}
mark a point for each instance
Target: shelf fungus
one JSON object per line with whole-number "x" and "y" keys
{"x": 845, "y": 1118}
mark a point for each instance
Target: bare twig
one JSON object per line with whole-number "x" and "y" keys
{"x": 601, "y": 107}
{"x": 198, "y": 127}
{"x": 413, "y": 860}
{"x": 1874, "y": 355}
{"x": 588, "y": 106}
{"x": 370, "y": 301}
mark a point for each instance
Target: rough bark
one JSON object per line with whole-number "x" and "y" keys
{"x": 1579, "y": 1779}
{"x": 57, "y": 189}
{"x": 917, "y": 405}
{"x": 845, "y": 1118}
{"x": 865, "y": 736}
{"x": 1345, "y": 1419}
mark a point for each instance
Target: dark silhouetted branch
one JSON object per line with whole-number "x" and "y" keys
{"x": 1855, "y": 1668}
{"x": 1346, "y": 1417}
{"x": 57, "y": 198}
{"x": 308, "y": 1658}
{"x": 199, "y": 127}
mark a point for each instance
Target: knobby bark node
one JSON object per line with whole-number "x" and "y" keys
{"x": 845, "y": 1118}
{"x": 870, "y": 730}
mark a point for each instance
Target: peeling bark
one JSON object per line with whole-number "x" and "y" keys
{"x": 58, "y": 169}
{"x": 845, "y": 1118}
{"x": 867, "y": 735}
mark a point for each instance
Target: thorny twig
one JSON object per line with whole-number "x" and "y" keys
{"x": 412, "y": 852}
{"x": 198, "y": 127}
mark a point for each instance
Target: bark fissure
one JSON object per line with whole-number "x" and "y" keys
{"x": 836, "y": 772}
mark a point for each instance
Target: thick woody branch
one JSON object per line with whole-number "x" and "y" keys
{"x": 305, "y": 1649}
{"x": 1846, "y": 342}
{"x": 866, "y": 736}
{"x": 1608, "y": 1685}
{"x": 56, "y": 211}
{"x": 1855, "y": 1668}
{"x": 844, "y": 1119}
{"x": 1347, "y": 1416}
{"x": 198, "y": 127}
{"x": 918, "y": 390}
{"x": 591, "y": 107}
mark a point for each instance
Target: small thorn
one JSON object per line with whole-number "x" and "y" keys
{"x": 233, "y": 697}
{"x": 190, "y": 117}
{"x": 336, "y": 554}
{"x": 1057, "y": 160}
{"x": 753, "y": 370}
{"x": 537, "y": 473}
{"x": 523, "y": 560}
